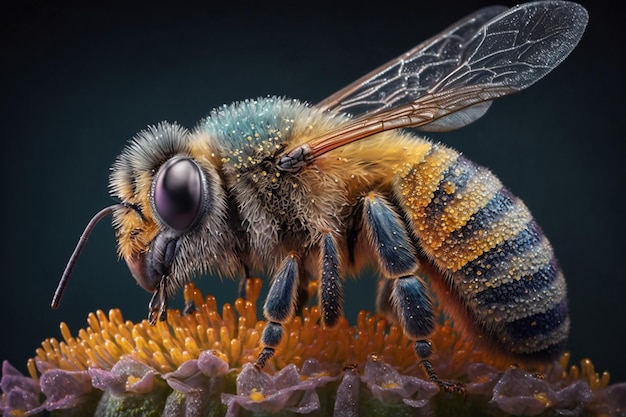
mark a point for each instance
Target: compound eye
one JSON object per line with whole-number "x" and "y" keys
{"x": 178, "y": 193}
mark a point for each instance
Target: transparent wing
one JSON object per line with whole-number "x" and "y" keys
{"x": 508, "y": 53}
{"x": 410, "y": 76}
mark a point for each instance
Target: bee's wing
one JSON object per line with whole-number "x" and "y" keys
{"x": 411, "y": 75}
{"x": 434, "y": 91}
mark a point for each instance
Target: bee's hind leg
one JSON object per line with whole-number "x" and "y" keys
{"x": 415, "y": 314}
{"x": 404, "y": 296}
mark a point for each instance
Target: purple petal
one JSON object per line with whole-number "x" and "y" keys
{"x": 12, "y": 378}
{"x": 517, "y": 393}
{"x": 314, "y": 374}
{"x": 187, "y": 378}
{"x": 64, "y": 389}
{"x": 287, "y": 377}
{"x": 43, "y": 366}
{"x": 483, "y": 379}
{"x": 571, "y": 400}
{"x": 195, "y": 388}
{"x": 616, "y": 396}
{"x": 312, "y": 367}
{"x": 308, "y": 403}
{"x": 19, "y": 402}
{"x": 610, "y": 401}
{"x": 211, "y": 365}
{"x": 127, "y": 375}
{"x": 389, "y": 386}
{"x": 260, "y": 393}
{"x": 347, "y": 401}
{"x": 21, "y": 393}
{"x": 378, "y": 372}
{"x": 252, "y": 380}
{"x": 293, "y": 395}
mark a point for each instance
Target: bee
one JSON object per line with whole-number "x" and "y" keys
{"x": 319, "y": 192}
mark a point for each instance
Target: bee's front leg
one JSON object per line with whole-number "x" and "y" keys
{"x": 157, "y": 308}
{"x": 279, "y": 307}
{"x": 243, "y": 283}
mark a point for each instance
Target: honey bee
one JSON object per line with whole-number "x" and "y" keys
{"x": 319, "y": 192}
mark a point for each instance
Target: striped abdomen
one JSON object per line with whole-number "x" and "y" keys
{"x": 499, "y": 263}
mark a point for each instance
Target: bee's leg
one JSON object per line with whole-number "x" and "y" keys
{"x": 302, "y": 299}
{"x": 241, "y": 291}
{"x": 279, "y": 307}
{"x": 388, "y": 236}
{"x": 415, "y": 313}
{"x": 330, "y": 290}
{"x": 383, "y": 300}
{"x": 402, "y": 296}
{"x": 158, "y": 303}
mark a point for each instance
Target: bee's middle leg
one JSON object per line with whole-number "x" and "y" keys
{"x": 330, "y": 290}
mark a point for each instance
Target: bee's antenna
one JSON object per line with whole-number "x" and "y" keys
{"x": 56, "y": 299}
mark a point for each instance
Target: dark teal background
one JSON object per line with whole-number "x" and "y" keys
{"x": 78, "y": 81}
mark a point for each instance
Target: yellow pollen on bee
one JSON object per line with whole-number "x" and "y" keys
{"x": 475, "y": 244}
{"x": 449, "y": 187}
{"x": 421, "y": 180}
{"x": 389, "y": 385}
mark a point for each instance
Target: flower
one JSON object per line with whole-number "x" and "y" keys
{"x": 200, "y": 364}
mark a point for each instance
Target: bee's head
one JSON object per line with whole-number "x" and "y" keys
{"x": 178, "y": 199}
{"x": 170, "y": 196}
{"x": 170, "y": 204}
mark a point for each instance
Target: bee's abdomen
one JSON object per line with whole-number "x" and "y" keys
{"x": 500, "y": 264}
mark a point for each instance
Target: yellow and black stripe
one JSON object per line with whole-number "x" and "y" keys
{"x": 484, "y": 239}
